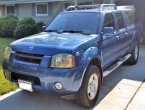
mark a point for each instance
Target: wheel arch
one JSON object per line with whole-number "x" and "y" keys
{"x": 97, "y": 62}
{"x": 91, "y": 56}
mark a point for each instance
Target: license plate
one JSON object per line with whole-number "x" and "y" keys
{"x": 25, "y": 85}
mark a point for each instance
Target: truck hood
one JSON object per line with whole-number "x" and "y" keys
{"x": 51, "y": 43}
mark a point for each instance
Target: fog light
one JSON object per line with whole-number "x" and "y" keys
{"x": 58, "y": 86}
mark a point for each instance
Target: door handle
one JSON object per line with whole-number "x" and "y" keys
{"x": 117, "y": 37}
{"x": 126, "y": 34}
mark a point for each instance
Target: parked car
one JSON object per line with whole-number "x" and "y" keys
{"x": 78, "y": 48}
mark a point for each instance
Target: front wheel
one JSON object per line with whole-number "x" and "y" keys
{"x": 134, "y": 56}
{"x": 89, "y": 91}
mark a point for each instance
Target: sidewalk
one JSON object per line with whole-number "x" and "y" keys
{"x": 127, "y": 95}
{"x": 138, "y": 102}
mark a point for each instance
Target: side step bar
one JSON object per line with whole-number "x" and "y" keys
{"x": 116, "y": 65}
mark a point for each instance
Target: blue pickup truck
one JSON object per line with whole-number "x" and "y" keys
{"x": 76, "y": 50}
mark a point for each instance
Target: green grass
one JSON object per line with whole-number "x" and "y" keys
{"x": 5, "y": 85}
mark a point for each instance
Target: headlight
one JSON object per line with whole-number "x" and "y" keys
{"x": 7, "y": 53}
{"x": 63, "y": 61}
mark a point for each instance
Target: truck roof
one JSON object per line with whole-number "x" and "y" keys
{"x": 98, "y": 8}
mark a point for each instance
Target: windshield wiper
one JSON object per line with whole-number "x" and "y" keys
{"x": 73, "y": 31}
{"x": 69, "y": 31}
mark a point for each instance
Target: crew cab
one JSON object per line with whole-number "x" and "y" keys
{"x": 75, "y": 52}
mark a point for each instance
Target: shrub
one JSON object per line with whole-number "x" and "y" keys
{"x": 27, "y": 27}
{"x": 11, "y": 16}
{"x": 39, "y": 26}
{"x": 8, "y": 25}
{"x": 27, "y": 20}
{"x": 24, "y": 30}
{"x": 1, "y": 26}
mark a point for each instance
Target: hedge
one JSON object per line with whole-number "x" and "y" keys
{"x": 10, "y": 26}
{"x": 27, "y": 27}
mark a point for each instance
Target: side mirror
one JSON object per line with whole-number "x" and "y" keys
{"x": 44, "y": 28}
{"x": 108, "y": 30}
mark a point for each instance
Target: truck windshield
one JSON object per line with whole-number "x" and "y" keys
{"x": 80, "y": 22}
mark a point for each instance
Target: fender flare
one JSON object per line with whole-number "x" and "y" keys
{"x": 138, "y": 32}
{"x": 135, "y": 39}
{"x": 86, "y": 59}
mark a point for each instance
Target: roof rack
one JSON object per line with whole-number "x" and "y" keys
{"x": 97, "y": 6}
{"x": 127, "y": 8}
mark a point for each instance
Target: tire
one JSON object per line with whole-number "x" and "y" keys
{"x": 82, "y": 96}
{"x": 134, "y": 56}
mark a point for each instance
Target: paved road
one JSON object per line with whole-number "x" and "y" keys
{"x": 40, "y": 101}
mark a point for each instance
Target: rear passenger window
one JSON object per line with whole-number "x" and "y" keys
{"x": 109, "y": 21}
{"x": 130, "y": 17}
{"x": 120, "y": 20}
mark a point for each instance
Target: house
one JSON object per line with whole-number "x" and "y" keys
{"x": 40, "y": 10}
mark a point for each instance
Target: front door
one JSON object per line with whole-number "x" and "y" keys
{"x": 110, "y": 44}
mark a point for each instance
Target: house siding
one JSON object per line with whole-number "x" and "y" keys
{"x": 17, "y": 9}
{"x": 3, "y": 10}
{"x": 33, "y": 9}
{"x": 50, "y": 9}
{"x": 54, "y": 8}
{"x": 25, "y": 10}
{"x": 108, "y": 1}
{"x": 58, "y": 7}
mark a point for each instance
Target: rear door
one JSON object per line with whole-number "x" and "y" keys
{"x": 124, "y": 36}
{"x": 130, "y": 24}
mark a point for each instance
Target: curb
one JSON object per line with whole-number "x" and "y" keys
{"x": 9, "y": 94}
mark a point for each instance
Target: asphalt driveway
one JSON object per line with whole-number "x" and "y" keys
{"x": 118, "y": 91}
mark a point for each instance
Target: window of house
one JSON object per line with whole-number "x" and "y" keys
{"x": 10, "y": 10}
{"x": 41, "y": 9}
{"x": 120, "y": 20}
{"x": 109, "y": 21}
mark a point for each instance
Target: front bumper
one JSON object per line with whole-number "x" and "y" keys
{"x": 45, "y": 78}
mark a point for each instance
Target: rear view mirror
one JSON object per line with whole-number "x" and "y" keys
{"x": 108, "y": 30}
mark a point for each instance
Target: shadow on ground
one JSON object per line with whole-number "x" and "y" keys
{"x": 42, "y": 101}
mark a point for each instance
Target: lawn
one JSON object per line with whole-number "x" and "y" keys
{"x": 5, "y": 86}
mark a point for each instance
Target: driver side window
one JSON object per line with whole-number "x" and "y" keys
{"x": 109, "y": 21}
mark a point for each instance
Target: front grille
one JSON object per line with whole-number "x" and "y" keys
{"x": 30, "y": 58}
{"x": 16, "y": 76}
